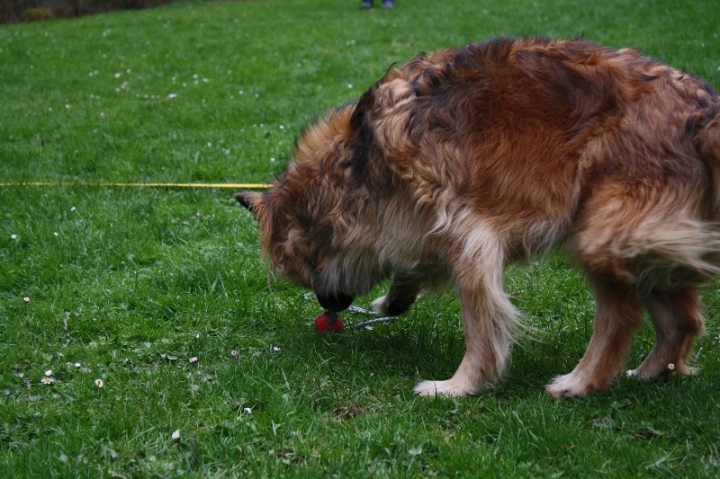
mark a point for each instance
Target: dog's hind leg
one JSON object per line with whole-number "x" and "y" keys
{"x": 632, "y": 236}
{"x": 678, "y": 322}
{"x": 619, "y": 314}
{"x": 403, "y": 292}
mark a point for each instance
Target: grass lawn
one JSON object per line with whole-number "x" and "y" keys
{"x": 151, "y": 313}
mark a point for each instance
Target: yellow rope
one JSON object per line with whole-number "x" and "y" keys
{"x": 237, "y": 186}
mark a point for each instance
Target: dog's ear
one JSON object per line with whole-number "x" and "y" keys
{"x": 244, "y": 198}
{"x": 251, "y": 200}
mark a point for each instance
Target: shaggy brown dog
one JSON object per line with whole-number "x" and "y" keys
{"x": 462, "y": 161}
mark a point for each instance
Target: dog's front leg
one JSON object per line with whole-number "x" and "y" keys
{"x": 403, "y": 292}
{"x": 488, "y": 320}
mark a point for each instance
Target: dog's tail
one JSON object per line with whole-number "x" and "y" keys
{"x": 690, "y": 249}
{"x": 687, "y": 252}
{"x": 707, "y": 142}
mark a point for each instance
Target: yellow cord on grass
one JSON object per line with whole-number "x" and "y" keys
{"x": 237, "y": 186}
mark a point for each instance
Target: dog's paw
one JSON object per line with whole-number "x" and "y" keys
{"x": 385, "y": 307}
{"x": 380, "y": 305}
{"x": 648, "y": 371}
{"x": 567, "y": 386}
{"x": 447, "y": 388}
{"x": 638, "y": 374}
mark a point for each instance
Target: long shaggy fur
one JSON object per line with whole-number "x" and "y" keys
{"x": 462, "y": 161}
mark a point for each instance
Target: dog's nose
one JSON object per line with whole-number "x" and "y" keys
{"x": 335, "y": 302}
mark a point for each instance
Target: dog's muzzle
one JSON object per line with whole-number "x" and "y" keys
{"x": 335, "y": 302}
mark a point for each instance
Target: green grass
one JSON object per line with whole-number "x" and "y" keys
{"x": 130, "y": 284}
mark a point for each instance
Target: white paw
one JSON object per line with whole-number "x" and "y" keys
{"x": 639, "y": 374}
{"x": 648, "y": 371}
{"x": 380, "y": 306}
{"x": 567, "y": 386}
{"x": 442, "y": 388}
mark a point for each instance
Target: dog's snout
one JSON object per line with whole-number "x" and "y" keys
{"x": 335, "y": 302}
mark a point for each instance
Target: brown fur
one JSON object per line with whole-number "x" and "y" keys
{"x": 462, "y": 161}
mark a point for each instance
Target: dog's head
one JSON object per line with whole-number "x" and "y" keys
{"x": 319, "y": 220}
{"x": 306, "y": 217}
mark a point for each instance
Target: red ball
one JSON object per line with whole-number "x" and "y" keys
{"x": 328, "y": 322}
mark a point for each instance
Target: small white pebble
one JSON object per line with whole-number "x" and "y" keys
{"x": 193, "y": 360}
{"x": 14, "y": 237}
{"x": 26, "y": 299}
{"x": 72, "y": 209}
{"x": 78, "y": 365}
{"x": 48, "y": 373}
{"x": 247, "y": 410}
{"x": 176, "y": 435}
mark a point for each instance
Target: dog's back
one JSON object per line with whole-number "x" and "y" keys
{"x": 527, "y": 131}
